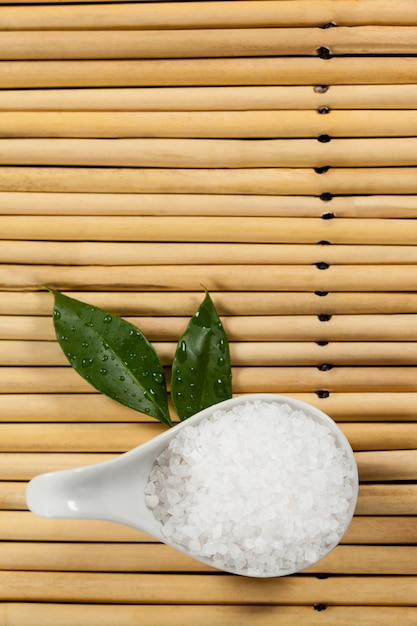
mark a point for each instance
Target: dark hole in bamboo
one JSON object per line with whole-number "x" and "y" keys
{"x": 321, "y": 88}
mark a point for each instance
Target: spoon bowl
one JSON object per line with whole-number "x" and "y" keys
{"x": 115, "y": 490}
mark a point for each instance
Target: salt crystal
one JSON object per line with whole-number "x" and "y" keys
{"x": 257, "y": 489}
{"x": 151, "y": 501}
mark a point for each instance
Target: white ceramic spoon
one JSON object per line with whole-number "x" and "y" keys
{"x": 114, "y": 490}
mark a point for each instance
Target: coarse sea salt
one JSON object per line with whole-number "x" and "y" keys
{"x": 260, "y": 489}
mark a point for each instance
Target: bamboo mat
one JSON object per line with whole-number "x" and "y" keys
{"x": 266, "y": 149}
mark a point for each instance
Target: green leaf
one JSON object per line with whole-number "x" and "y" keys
{"x": 112, "y": 355}
{"x": 201, "y": 372}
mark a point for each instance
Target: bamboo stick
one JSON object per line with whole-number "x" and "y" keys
{"x": 111, "y": 437}
{"x": 12, "y": 496}
{"x": 400, "y": 96}
{"x": 170, "y": 204}
{"x": 211, "y": 229}
{"x": 263, "y": 181}
{"x": 245, "y": 379}
{"x": 21, "y": 466}
{"x": 208, "y": 72}
{"x": 372, "y": 529}
{"x": 383, "y": 436}
{"x": 193, "y": 589}
{"x": 262, "y": 353}
{"x": 217, "y": 277}
{"x": 245, "y": 328}
{"x": 102, "y": 557}
{"x": 23, "y": 526}
{"x": 387, "y": 500}
{"x": 237, "y": 303}
{"x": 131, "y": 254}
{"x": 367, "y": 560}
{"x": 211, "y": 124}
{"x": 82, "y": 204}
{"x": 56, "y": 408}
{"x": 304, "y": 379}
{"x": 119, "y": 437}
{"x": 392, "y": 465}
{"x": 367, "y": 406}
{"x": 79, "y": 408}
{"x": 181, "y": 589}
{"x": 209, "y": 153}
{"x": 50, "y": 614}
{"x": 176, "y": 15}
{"x": 198, "y": 43}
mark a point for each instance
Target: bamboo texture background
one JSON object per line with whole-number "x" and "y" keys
{"x": 266, "y": 149}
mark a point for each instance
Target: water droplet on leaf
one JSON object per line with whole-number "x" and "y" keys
{"x": 222, "y": 345}
{"x": 219, "y": 388}
{"x": 158, "y": 377}
{"x": 57, "y": 314}
{"x": 182, "y": 352}
{"x": 107, "y": 319}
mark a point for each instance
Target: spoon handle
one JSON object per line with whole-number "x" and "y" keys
{"x": 68, "y": 493}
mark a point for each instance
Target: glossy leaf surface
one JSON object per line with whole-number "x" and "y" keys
{"x": 112, "y": 355}
{"x": 201, "y": 372}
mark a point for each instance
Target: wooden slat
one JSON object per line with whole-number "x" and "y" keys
{"x": 210, "y": 15}
{"x": 129, "y": 615}
{"x": 229, "y": 42}
{"x": 127, "y": 253}
{"x": 271, "y": 97}
{"x": 264, "y": 181}
{"x": 210, "y": 229}
{"x": 217, "y": 589}
{"x": 211, "y": 124}
{"x": 209, "y": 153}
{"x": 209, "y": 72}
{"x": 214, "y": 277}
{"x": 102, "y": 204}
